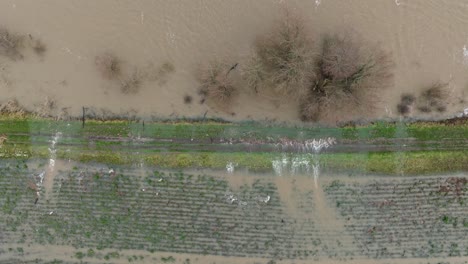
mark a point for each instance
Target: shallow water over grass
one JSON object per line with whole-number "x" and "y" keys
{"x": 384, "y": 148}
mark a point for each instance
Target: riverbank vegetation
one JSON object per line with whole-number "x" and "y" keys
{"x": 433, "y": 98}
{"x": 283, "y": 60}
{"x": 217, "y": 86}
{"x": 339, "y": 81}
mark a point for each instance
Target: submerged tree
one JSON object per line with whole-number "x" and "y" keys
{"x": 340, "y": 81}
{"x": 11, "y": 44}
{"x": 350, "y": 76}
{"x": 283, "y": 60}
{"x": 217, "y": 86}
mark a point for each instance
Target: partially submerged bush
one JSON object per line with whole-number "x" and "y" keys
{"x": 216, "y": 84}
{"x": 11, "y": 44}
{"x": 166, "y": 68}
{"x": 341, "y": 57}
{"x": 331, "y": 107}
{"x": 159, "y": 74}
{"x": 407, "y": 98}
{"x": 39, "y": 47}
{"x": 309, "y": 108}
{"x": 188, "y": 99}
{"x": 132, "y": 84}
{"x": 406, "y": 104}
{"x": 348, "y": 79}
{"x": 163, "y": 73}
{"x": 283, "y": 60}
{"x": 403, "y": 109}
{"x": 109, "y": 66}
{"x": 47, "y": 107}
{"x": 12, "y": 108}
{"x": 105, "y": 114}
{"x": 433, "y": 98}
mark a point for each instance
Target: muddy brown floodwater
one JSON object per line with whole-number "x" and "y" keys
{"x": 428, "y": 40}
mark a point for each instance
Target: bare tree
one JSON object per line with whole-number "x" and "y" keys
{"x": 350, "y": 77}
{"x": 283, "y": 59}
{"x": 216, "y": 84}
{"x": 11, "y": 44}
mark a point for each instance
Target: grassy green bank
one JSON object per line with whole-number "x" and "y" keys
{"x": 381, "y": 147}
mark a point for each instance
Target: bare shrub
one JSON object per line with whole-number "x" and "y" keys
{"x": 433, "y": 98}
{"x": 407, "y": 99}
{"x": 403, "y": 109}
{"x": 159, "y": 74}
{"x": 283, "y": 60}
{"x": 309, "y": 108}
{"x": 47, "y": 107}
{"x": 333, "y": 106}
{"x": 441, "y": 108}
{"x": 109, "y": 66}
{"x": 39, "y": 47}
{"x": 162, "y": 75}
{"x": 105, "y": 114}
{"x": 253, "y": 73}
{"x": 188, "y": 99}
{"x": 341, "y": 57}
{"x": 216, "y": 85}
{"x": 350, "y": 77}
{"x": 64, "y": 114}
{"x": 11, "y": 44}
{"x": 12, "y": 108}
{"x": 132, "y": 84}
{"x": 167, "y": 67}
{"x": 406, "y": 104}
{"x": 363, "y": 70}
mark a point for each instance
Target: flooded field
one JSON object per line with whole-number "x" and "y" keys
{"x": 99, "y": 165}
{"x": 160, "y": 46}
{"x": 97, "y": 213}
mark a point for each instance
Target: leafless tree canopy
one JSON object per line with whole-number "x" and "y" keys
{"x": 349, "y": 79}
{"x": 132, "y": 84}
{"x": 341, "y": 57}
{"x": 283, "y": 59}
{"x": 11, "y": 44}
{"x": 216, "y": 84}
{"x": 109, "y": 65}
{"x": 434, "y": 98}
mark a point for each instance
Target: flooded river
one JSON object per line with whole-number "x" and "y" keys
{"x": 428, "y": 40}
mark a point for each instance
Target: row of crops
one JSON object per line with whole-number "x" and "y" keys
{"x": 96, "y": 207}
{"x": 410, "y": 217}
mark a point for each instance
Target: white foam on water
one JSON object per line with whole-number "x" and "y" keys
{"x": 306, "y": 161}
{"x": 465, "y": 55}
{"x": 280, "y": 164}
{"x": 53, "y": 150}
{"x": 262, "y": 199}
{"x": 316, "y": 173}
{"x": 230, "y": 167}
{"x": 41, "y": 177}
